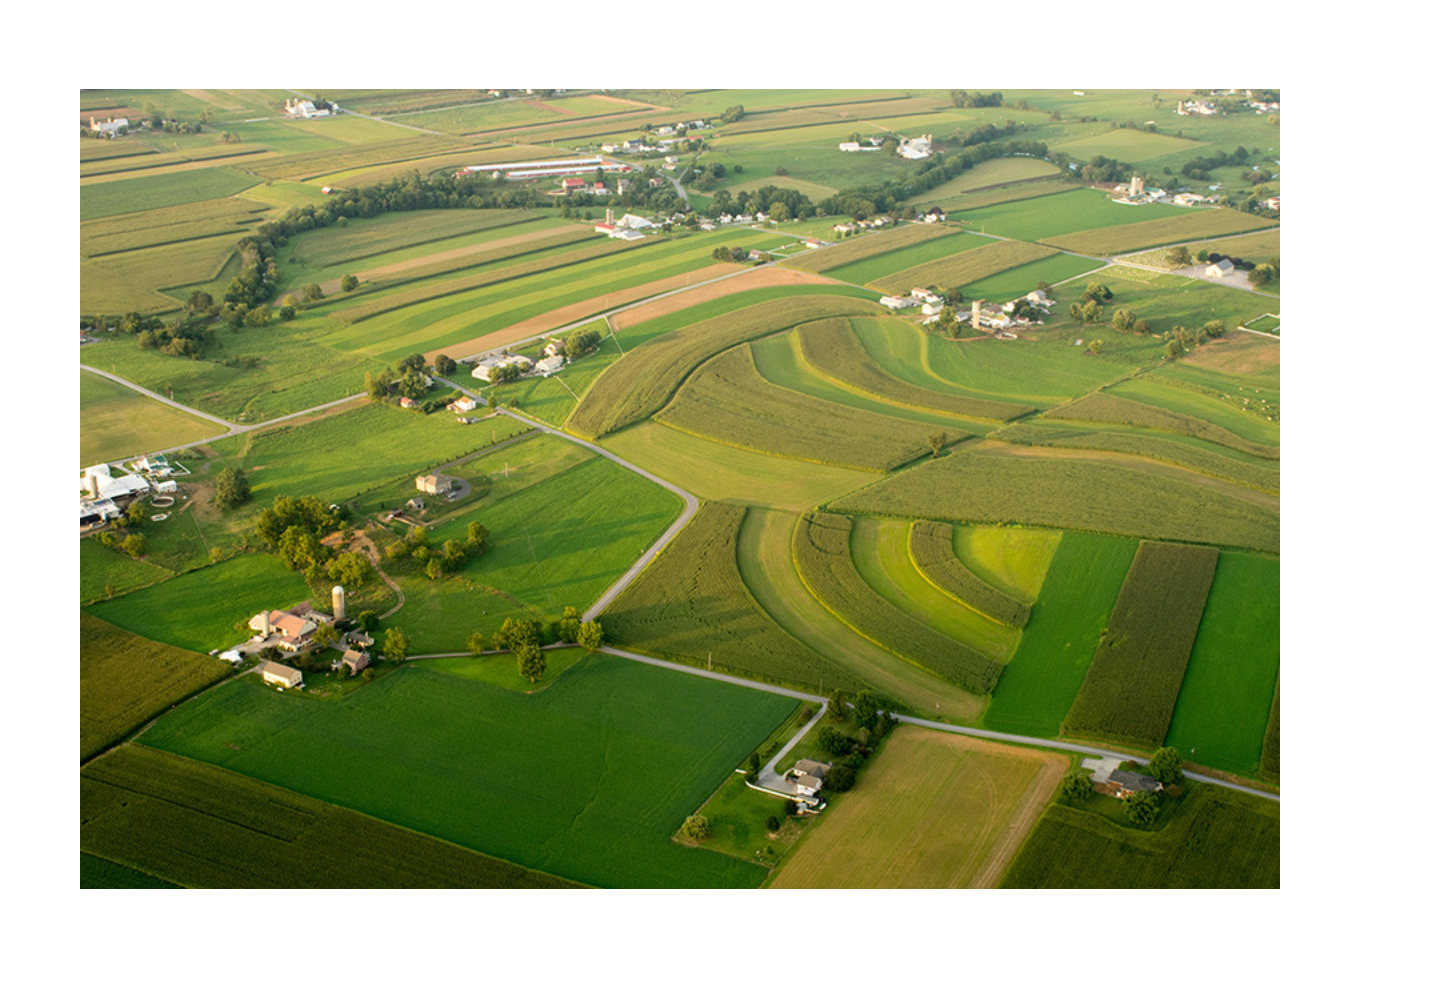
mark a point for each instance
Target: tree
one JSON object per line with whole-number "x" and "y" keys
{"x": 754, "y": 762}
{"x": 834, "y": 741}
{"x": 696, "y": 827}
{"x": 348, "y": 282}
{"x": 840, "y": 778}
{"x": 1262, "y": 274}
{"x": 349, "y": 569}
{"x": 1095, "y": 346}
{"x": 311, "y": 291}
{"x": 199, "y": 300}
{"x": 1092, "y": 311}
{"x": 1167, "y": 765}
{"x": 1076, "y": 786}
{"x": 325, "y": 633}
{"x": 1178, "y": 256}
{"x": 569, "y": 626}
{"x": 531, "y": 662}
{"x": 476, "y": 535}
{"x": 867, "y": 709}
{"x": 1213, "y": 329}
{"x": 134, "y": 545}
{"x": 937, "y": 444}
{"x": 395, "y": 645}
{"x": 1142, "y": 326}
{"x": 444, "y": 365}
{"x": 476, "y": 644}
{"x": 515, "y": 632}
{"x": 231, "y": 488}
{"x": 591, "y": 636}
{"x": 1123, "y": 319}
{"x": 1142, "y": 808}
{"x": 434, "y": 569}
{"x": 772, "y": 824}
{"x": 368, "y": 620}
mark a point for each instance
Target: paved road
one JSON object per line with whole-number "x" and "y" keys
{"x": 692, "y": 503}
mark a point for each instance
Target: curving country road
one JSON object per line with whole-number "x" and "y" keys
{"x": 692, "y": 502}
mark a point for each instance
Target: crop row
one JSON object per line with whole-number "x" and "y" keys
{"x": 1131, "y": 686}
{"x": 1179, "y": 453}
{"x": 822, "y": 557}
{"x": 448, "y": 263}
{"x": 967, "y": 267}
{"x": 432, "y": 291}
{"x": 932, "y": 549}
{"x": 647, "y": 377}
{"x": 692, "y": 605}
{"x": 831, "y": 349}
{"x": 1106, "y": 408}
{"x": 167, "y": 225}
{"x": 1073, "y": 494}
{"x": 1199, "y": 223}
{"x": 106, "y": 167}
{"x": 199, "y": 825}
{"x": 729, "y": 401}
{"x": 362, "y": 239}
{"x": 303, "y": 165}
{"x": 867, "y": 246}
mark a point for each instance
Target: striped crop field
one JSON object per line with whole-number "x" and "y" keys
{"x": 868, "y": 246}
{"x": 831, "y": 349}
{"x": 1129, "y": 692}
{"x": 168, "y": 225}
{"x": 1108, "y": 408}
{"x": 125, "y": 196}
{"x": 989, "y": 258}
{"x": 983, "y": 175}
{"x": 728, "y": 400}
{"x": 691, "y": 605}
{"x": 194, "y": 824}
{"x": 1070, "y": 494}
{"x": 932, "y": 549}
{"x": 125, "y": 680}
{"x": 362, "y": 238}
{"x": 642, "y": 382}
{"x": 531, "y": 241}
{"x": 1016, "y": 282}
{"x": 132, "y": 280}
{"x": 880, "y": 270}
{"x": 1197, "y": 223}
{"x": 823, "y": 559}
{"x": 1048, "y": 218}
{"x": 321, "y": 161}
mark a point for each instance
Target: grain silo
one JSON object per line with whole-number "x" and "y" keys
{"x": 337, "y": 602}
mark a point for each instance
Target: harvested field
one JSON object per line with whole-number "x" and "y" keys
{"x": 579, "y": 311}
{"x": 751, "y": 279}
{"x": 967, "y": 267}
{"x": 1130, "y": 689}
{"x": 932, "y": 810}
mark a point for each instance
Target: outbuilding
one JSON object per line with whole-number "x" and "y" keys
{"x": 280, "y": 675}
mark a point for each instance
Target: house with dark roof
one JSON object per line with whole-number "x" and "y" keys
{"x": 808, "y": 776}
{"x": 1126, "y": 782}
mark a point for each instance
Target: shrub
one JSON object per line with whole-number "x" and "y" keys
{"x": 696, "y": 827}
{"x": 840, "y": 778}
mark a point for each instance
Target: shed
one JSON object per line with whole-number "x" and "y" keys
{"x": 1219, "y": 269}
{"x": 277, "y": 674}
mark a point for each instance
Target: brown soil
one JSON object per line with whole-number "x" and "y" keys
{"x": 576, "y": 311}
{"x": 755, "y": 278}
{"x": 1036, "y": 800}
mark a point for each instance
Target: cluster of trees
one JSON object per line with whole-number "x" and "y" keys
{"x": 406, "y": 379}
{"x": 873, "y": 722}
{"x": 292, "y": 527}
{"x": 579, "y": 343}
{"x": 523, "y": 637}
{"x": 964, "y": 98}
{"x": 1090, "y": 308}
{"x": 732, "y": 114}
{"x": 1124, "y": 319}
{"x": 437, "y": 563}
{"x": 780, "y": 203}
{"x": 1102, "y": 169}
{"x": 1199, "y": 167}
{"x": 1180, "y": 339}
{"x": 128, "y": 538}
{"x": 232, "y": 488}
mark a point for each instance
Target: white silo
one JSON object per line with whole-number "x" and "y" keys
{"x": 337, "y": 602}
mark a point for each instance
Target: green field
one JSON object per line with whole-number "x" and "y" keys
{"x": 1119, "y": 237}
{"x": 138, "y": 280}
{"x": 864, "y": 247}
{"x": 116, "y": 422}
{"x": 1241, "y": 413}
{"x": 105, "y": 571}
{"x": 1224, "y": 704}
{"x": 366, "y": 237}
{"x": 614, "y": 756}
{"x": 1043, "y": 676}
{"x": 1130, "y": 689}
{"x": 881, "y": 269}
{"x": 932, "y": 551}
{"x": 987, "y": 258}
{"x": 146, "y": 814}
{"x": 1046, "y": 218}
{"x": 1020, "y": 280}
{"x": 168, "y": 225}
{"x": 1218, "y": 838}
{"x": 992, "y": 172}
{"x": 1127, "y": 145}
{"x": 207, "y": 608}
{"x": 1069, "y": 494}
{"x": 123, "y": 196}
{"x": 125, "y": 680}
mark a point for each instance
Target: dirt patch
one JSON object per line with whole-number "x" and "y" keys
{"x": 577, "y": 311}
{"x": 1240, "y": 353}
{"x": 754, "y": 279}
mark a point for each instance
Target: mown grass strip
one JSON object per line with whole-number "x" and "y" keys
{"x": 198, "y": 825}
{"x": 822, "y": 557}
{"x": 647, "y": 377}
{"x": 932, "y": 549}
{"x": 692, "y": 605}
{"x": 728, "y": 400}
{"x": 831, "y": 349}
{"x": 967, "y": 267}
{"x": 1129, "y": 692}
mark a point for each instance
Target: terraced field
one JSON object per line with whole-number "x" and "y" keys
{"x": 932, "y": 551}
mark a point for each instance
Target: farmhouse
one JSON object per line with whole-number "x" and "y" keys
{"x": 898, "y": 303}
{"x": 354, "y": 661}
{"x": 110, "y": 127}
{"x": 305, "y": 108}
{"x": 291, "y": 630}
{"x": 914, "y": 148}
{"x": 1272, "y": 204}
{"x": 554, "y": 347}
{"x": 989, "y": 316}
{"x": 486, "y": 366}
{"x": 408, "y": 403}
{"x": 552, "y": 363}
{"x": 1126, "y": 782}
{"x": 462, "y": 405}
{"x": 844, "y": 229}
{"x": 1037, "y": 298}
{"x": 808, "y": 776}
{"x": 282, "y": 675}
{"x": 933, "y": 215}
{"x": 435, "y": 483}
{"x": 100, "y": 485}
{"x": 1219, "y": 269}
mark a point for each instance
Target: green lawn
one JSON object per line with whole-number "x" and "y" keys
{"x": 207, "y": 608}
{"x": 1224, "y": 703}
{"x": 1045, "y": 673}
{"x": 610, "y": 761}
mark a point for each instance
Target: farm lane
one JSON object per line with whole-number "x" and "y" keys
{"x": 719, "y": 676}
{"x": 692, "y": 503}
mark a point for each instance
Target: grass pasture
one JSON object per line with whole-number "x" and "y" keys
{"x": 1047, "y": 218}
{"x": 1132, "y": 684}
{"x": 933, "y": 810}
{"x": 1216, "y": 839}
{"x": 727, "y": 400}
{"x": 614, "y": 756}
{"x": 125, "y": 680}
{"x": 823, "y": 558}
{"x": 1009, "y": 284}
{"x": 193, "y": 824}
{"x": 1127, "y": 145}
{"x": 692, "y": 605}
{"x": 116, "y": 422}
{"x": 987, "y": 259}
{"x": 1172, "y": 403}
{"x": 1224, "y": 704}
{"x": 105, "y": 571}
{"x": 1070, "y": 494}
{"x": 209, "y": 607}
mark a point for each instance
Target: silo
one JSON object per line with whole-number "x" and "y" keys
{"x": 337, "y": 602}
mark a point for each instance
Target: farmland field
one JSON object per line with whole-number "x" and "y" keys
{"x": 1047, "y": 218}
{"x": 123, "y": 196}
{"x": 989, "y": 258}
{"x": 933, "y": 810}
{"x": 1079, "y": 591}
{"x": 116, "y": 422}
{"x": 1130, "y": 689}
{"x": 881, "y": 269}
{"x": 105, "y": 571}
{"x": 1070, "y": 494}
{"x": 125, "y": 680}
{"x": 1127, "y": 145}
{"x": 193, "y": 824}
{"x": 615, "y": 754}
{"x": 1224, "y": 704}
{"x": 1119, "y": 237}
{"x": 1217, "y": 839}
{"x": 1016, "y": 282}
{"x": 993, "y": 172}
{"x": 868, "y": 246}
{"x": 932, "y": 550}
